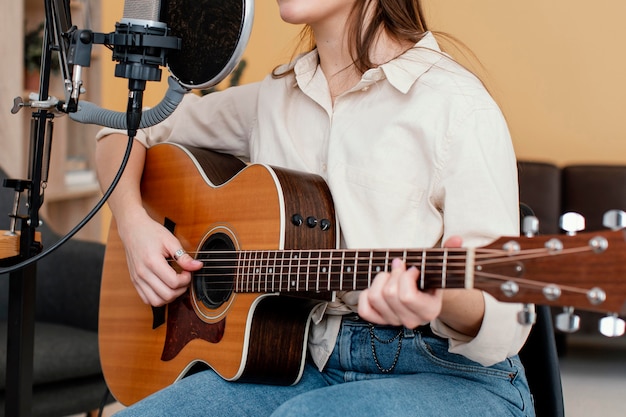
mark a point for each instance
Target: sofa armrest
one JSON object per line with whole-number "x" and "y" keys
{"x": 68, "y": 283}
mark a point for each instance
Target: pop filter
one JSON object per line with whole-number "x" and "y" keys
{"x": 214, "y": 35}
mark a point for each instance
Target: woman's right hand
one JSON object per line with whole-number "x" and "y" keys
{"x": 149, "y": 245}
{"x": 151, "y": 254}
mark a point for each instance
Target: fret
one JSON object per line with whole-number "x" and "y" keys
{"x": 343, "y": 258}
{"x": 335, "y": 272}
{"x": 256, "y": 271}
{"x": 280, "y": 270}
{"x": 444, "y": 268}
{"x": 378, "y": 262}
{"x": 459, "y": 266}
{"x": 369, "y": 269}
{"x": 238, "y": 267}
{"x": 348, "y": 269}
{"x": 265, "y": 261}
{"x": 468, "y": 281}
{"x": 243, "y": 271}
{"x": 302, "y": 269}
{"x": 387, "y": 261}
{"x": 423, "y": 271}
{"x": 431, "y": 274}
{"x": 273, "y": 270}
{"x": 252, "y": 272}
{"x": 362, "y": 270}
{"x": 327, "y": 269}
{"x": 317, "y": 275}
{"x": 313, "y": 272}
{"x": 248, "y": 270}
{"x": 293, "y": 275}
{"x": 393, "y": 255}
{"x": 307, "y": 272}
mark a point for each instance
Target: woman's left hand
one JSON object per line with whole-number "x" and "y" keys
{"x": 394, "y": 298}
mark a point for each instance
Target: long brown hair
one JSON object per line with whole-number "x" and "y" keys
{"x": 402, "y": 20}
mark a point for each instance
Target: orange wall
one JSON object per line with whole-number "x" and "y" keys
{"x": 556, "y": 67}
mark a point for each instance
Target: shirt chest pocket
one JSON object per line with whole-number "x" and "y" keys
{"x": 377, "y": 211}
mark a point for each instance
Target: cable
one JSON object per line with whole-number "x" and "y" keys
{"x": 82, "y": 223}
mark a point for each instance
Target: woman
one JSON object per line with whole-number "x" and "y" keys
{"x": 415, "y": 153}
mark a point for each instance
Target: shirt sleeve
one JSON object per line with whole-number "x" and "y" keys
{"x": 480, "y": 202}
{"x": 221, "y": 121}
{"x": 500, "y": 335}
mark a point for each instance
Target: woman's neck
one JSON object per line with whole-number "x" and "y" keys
{"x": 337, "y": 62}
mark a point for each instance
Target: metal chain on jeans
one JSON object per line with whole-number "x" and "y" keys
{"x": 374, "y": 339}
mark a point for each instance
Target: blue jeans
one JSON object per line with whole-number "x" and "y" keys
{"x": 423, "y": 379}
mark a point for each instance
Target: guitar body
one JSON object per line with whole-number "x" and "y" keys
{"x": 212, "y": 202}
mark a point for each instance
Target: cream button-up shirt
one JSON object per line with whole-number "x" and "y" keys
{"x": 416, "y": 152}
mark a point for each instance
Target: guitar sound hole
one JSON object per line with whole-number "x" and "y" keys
{"x": 213, "y": 284}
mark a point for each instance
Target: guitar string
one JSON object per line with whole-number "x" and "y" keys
{"x": 355, "y": 266}
{"x": 451, "y": 279}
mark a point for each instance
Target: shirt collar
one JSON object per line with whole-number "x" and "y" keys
{"x": 405, "y": 70}
{"x": 402, "y": 72}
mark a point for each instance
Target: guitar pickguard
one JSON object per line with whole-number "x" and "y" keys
{"x": 183, "y": 326}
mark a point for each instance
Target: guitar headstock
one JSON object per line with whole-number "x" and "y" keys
{"x": 585, "y": 271}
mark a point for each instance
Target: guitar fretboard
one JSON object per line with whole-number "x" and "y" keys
{"x": 333, "y": 270}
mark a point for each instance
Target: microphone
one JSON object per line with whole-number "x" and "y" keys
{"x": 140, "y": 46}
{"x": 200, "y": 42}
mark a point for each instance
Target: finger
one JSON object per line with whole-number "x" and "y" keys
{"x": 453, "y": 242}
{"x": 186, "y": 261}
{"x": 382, "y": 295}
{"x": 390, "y": 289}
{"x": 370, "y": 300}
{"x": 157, "y": 292}
{"x": 417, "y": 307}
{"x": 366, "y": 311}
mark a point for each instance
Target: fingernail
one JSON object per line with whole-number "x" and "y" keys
{"x": 397, "y": 263}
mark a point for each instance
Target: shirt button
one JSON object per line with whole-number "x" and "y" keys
{"x": 324, "y": 167}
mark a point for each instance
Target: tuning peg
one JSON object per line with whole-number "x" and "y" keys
{"x": 612, "y": 326}
{"x": 614, "y": 219}
{"x": 567, "y": 321}
{"x": 572, "y": 223}
{"x": 530, "y": 226}
{"x": 527, "y": 316}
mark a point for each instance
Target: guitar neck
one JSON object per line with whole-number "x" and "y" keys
{"x": 333, "y": 270}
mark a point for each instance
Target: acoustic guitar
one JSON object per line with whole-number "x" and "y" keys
{"x": 268, "y": 238}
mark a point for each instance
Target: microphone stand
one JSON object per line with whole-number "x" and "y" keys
{"x": 22, "y": 283}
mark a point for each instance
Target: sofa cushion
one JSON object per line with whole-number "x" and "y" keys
{"x": 592, "y": 190}
{"x": 540, "y": 189}
{"x": 61, "y": 353}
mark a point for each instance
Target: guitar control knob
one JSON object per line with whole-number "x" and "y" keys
{"x": 325, "y": 224}
{"x": 311, "y": 222}
{"x": 297, "y": 220}
{"x": 612, "y": 326}
{"x": 567, "y": 321}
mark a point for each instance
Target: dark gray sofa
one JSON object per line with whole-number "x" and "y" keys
{"x": 67, "y": 374}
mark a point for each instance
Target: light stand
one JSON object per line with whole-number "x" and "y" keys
{"x": 21, "y": 314}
